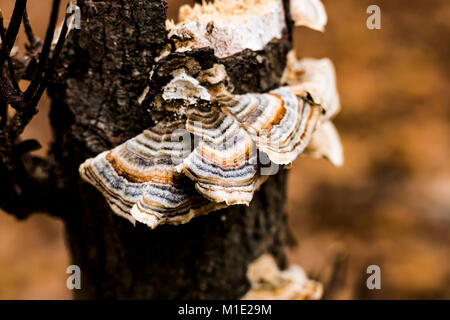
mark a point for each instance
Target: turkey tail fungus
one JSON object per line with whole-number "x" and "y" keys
{"x": 173, "y": 126}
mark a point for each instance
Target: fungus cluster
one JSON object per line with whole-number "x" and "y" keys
{"x": 227, "y": 26}
{"x": 206, "y": 153}
{"x": 268, "y": 282}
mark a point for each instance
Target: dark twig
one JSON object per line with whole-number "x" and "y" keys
{"x": 13, "y": 74}
{"x": 20, "y": 120}
{"x": 14, "y": 24}
{"x": 21, "y": 182}
{"x": 3, "y": 114}
{"x": 51, "y": 64}
{"x": 5, "y": 55}
{"x": 37, "y": 77}
{"x": 333, "y": 273}
{"x": 2, "y": 38}
{"x": 29, "y": 31}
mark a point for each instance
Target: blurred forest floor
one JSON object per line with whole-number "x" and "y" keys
{"x": 390, "y": 203}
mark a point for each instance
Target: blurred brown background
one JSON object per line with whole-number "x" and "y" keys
{"x": 390, "y": 203}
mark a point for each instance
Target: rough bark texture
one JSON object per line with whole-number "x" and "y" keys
{"x": 104, "y": 69}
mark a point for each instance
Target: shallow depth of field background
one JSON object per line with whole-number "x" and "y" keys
{"x": 390, "y": 203}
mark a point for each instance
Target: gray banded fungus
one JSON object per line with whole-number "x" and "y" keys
{"x": 139, "y": 180}
{"x": 205, "y": 154}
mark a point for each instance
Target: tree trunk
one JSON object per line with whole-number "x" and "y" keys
{"x": 103, "y": 70}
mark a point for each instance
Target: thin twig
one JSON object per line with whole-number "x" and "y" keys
{"x": 12, "y": 74}
{"x": 28, "y": 30}
{"x": 37, "y": 77}
{"x": 5, "y": 54}
{"x": 13, "y": 153}
{"x": 3, "y": 114}
{"x": 4, "y": 50}
{"x": 51, "y": 65}
{"x": 14, "y": 25}
{"x": 21, "y": 120}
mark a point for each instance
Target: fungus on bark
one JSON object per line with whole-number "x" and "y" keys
{"x": 309, "y": 13}
{"x": 268, "y": 282}
{"x": 203, "y": 154}
{"x": 194, "y": 78}
{"x": 228, "y": 26}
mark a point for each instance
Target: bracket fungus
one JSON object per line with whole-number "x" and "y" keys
{"x": 228, "y": 26}
{"x": 206, "y": 153}
{"x": 267, "y": 282}
{"x": 309, "y": 13}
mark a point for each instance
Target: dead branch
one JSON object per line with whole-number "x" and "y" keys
{"x": 23, "y": 189}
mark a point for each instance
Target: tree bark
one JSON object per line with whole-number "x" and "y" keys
{"x": 103, "y": 70}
